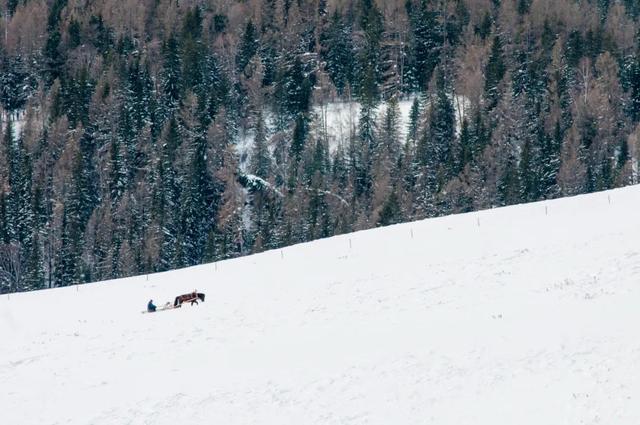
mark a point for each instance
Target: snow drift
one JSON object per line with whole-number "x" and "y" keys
{"x": 527, "y": 315}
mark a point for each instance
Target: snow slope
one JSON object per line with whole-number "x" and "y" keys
{"x": 520, "y": 315}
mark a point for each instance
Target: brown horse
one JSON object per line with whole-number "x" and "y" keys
{"x": 186, "y": 298}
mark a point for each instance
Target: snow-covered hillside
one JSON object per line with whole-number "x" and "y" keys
{"x": 521, "y": 315}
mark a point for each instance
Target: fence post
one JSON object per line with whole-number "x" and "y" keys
{"x": 546, "y": 210}
{"x": 478, "y": 220}
{"x": 281, "y": 255}
{"x": 350, "y": 246}
{"x": 412, "y": 233}
{"x": 609, "y": 198}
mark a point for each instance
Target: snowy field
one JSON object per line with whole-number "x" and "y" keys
{"x": 522, "y": 315}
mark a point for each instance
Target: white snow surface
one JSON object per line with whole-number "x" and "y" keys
{"x": 259, "y": 181}
{"x": 17, "y": 122}
{"x": 340, "y": 120}
{"x": 519, "y": 315}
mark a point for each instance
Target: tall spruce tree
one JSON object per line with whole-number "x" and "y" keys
{"x": 171, "y": 77}
{"x": 249, "y": 46}
{"x": 337, "y": 52}
{"x": 426, "y": 43}
{"x": 494, "y": 73}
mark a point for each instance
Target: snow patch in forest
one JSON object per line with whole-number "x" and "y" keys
{"x": 257, "y": 182}
{"x": 243, "y": 146}
{"x": 17, "y": 122}
{"x": 339, "y": 120}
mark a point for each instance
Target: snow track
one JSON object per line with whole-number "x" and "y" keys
{"x": 523, "y": 315}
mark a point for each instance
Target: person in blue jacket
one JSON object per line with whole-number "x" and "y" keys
{"x": 151, "y": 307}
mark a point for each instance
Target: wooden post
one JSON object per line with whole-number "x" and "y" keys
{"x": 412, "y": 233}
{"x": 478, "y": 221}
{"x": 546, "y": 210}
{"x": 350, "y": 246}
{"x": 281, "y": 255}
{"x": 609, "y": 198}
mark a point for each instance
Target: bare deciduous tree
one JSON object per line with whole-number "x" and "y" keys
{"x": 11, "y": 267}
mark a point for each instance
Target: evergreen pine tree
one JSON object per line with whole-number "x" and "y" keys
{"x": 11, "y": 6}
{"x": 414, "y": 117}
{"x": 630, "y": 81}
{"x": 168, "y": 197}
{"x": 293, "y": 89}
{"x": 261, "y": 158}
{"x": 54, "y": 58}
{"x": 118, "y": 179}
{"x": 426, "y": 44}
{"x": 17, "y": 83}
{"x": 67, "y": 257}
{"x": 249, "y": 46}
{"x": 368, "y": 66}
{"x": 171, "y": 77}
{"x": 391, "y": 212}
{"x": 4, "y": 220}
{"x": 299, "y": 138}
{"x": 337, "y": 51}
{"x": 509, "y": 183}
{"x": 442, "y": 136}
{"x": 389, "y": 131}
{"x": 550, "y": 162}
{"x": 494, "y": 73}
{"x": 193, "y": 54}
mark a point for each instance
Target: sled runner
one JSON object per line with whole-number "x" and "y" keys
{"x": 167, "y": 306}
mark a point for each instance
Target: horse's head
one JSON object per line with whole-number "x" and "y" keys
{"x": 201, "y": 297}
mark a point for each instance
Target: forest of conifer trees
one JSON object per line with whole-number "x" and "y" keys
{"x": 146, "y": 135}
